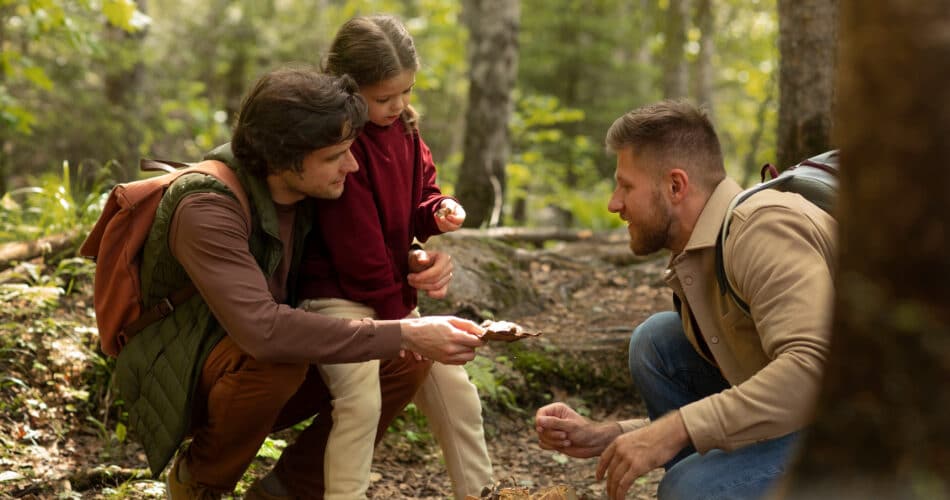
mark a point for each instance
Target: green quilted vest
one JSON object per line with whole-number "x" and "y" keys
{"x": 158, "y": 370}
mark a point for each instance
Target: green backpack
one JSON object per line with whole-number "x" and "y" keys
{"x": 816, "y": 179}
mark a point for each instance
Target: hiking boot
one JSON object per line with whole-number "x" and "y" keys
{"x": 259, "y": 491}
{"x": 176, "y": 489}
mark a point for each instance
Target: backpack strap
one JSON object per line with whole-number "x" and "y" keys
{"x": 160, "y": 310}
{"x": 228, "y": 177}
{"x": 724, "y": 286}
{"x": 214, "y": 168}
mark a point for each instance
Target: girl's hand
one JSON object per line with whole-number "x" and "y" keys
{"x": 450, "y": 216}
{"x": 430, "y": 272}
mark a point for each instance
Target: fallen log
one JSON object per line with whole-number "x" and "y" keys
{"x": 535, "y": 235}
{"x": 25, "y": 250}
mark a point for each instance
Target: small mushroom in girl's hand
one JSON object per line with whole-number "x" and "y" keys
{"x": 450, "y": 207}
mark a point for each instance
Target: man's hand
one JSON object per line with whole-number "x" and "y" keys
{"x": 450, "y": 216}
{"x": 430, "y": 271}
{"x": 635, "y": 453}
{"x": 446, "y": 339}
{"x": 562, "y": 429}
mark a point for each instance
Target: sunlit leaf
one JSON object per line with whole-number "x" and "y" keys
{"x": 120, "y": 13}
{"x": 13, "y": 380}
{"x": 120, "y": 432}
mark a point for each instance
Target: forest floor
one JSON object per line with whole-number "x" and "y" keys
{"x": 61, "y": 438}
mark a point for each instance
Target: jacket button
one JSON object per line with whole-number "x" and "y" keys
{"x": 688, "y": 280}
{"x": 714, "y": 340}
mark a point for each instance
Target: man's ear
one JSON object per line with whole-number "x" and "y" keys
{"x": 679, "y": 184}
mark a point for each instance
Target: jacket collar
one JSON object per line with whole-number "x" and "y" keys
{"x": 257, "y": 190}
{"x": 710, "y": 219}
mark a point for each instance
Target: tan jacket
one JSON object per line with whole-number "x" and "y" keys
{"x": 780, "y": 258}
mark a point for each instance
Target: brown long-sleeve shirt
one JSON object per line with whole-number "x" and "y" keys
{"x": 209, "y": 237}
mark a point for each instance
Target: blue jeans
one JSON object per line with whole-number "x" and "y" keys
{"x": 670, "y": 374}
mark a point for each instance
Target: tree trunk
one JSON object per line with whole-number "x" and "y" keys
{"x": 703, "y": 74}
{"x": 881, "y": 429}
{"x": 644, "y": 54}
{"x": 493, "y": 68}
{"x": 750, "y": 167}
{"x": 241, "y": 39}
{"x": 6, "y": 146}
{"x": 807, "y": 42}
{"x": 675, "y": 72}
{"x": 123, "y": 91}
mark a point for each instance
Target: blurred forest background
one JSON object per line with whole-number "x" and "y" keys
{"x": 88, "y": 87}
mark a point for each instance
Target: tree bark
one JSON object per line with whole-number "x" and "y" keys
{"x": 750, "y": 167}
{"x": 241, "y": 39}
{"x": 881, "y": 429}
{"x": 703, "y": 74}
{"x": 6, "y": 146}
{"x": 493, "y": 68}
{"x": 807, "y": 42}
{"x": 675, "y": 69}
{"x": 123, "y": 89}
{"x": 646, "y": 23}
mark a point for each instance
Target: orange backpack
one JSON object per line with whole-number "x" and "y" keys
{"x": 115, "y": 244}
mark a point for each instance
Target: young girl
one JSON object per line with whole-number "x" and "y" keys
{"x": 357, "y": 259}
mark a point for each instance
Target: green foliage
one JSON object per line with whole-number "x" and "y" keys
{"x": 746, "y": 93}
{"x": 551, "y": 168}
{"x": 45, "y": 50}
{"x": 167, "y": 84}
{"x": 411, "y": 424}
{"x": 124, "y": 14}
{"x": 605, "y": 57}
{"x": 57, "y": 204}
{"x": 272, "y": 448}
{"x": 488, "y": 379}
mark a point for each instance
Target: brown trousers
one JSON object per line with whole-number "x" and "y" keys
{"x": 239, "y": 401}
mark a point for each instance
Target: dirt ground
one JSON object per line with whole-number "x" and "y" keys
{"x": 591, "y": 295}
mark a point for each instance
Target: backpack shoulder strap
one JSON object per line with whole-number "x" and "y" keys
{"x": 724, "y": 286}
{"x": 228, "y": 176}
{"x": 214, "y": 168}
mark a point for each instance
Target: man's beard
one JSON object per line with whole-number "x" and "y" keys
{"x": 655, "y": 236}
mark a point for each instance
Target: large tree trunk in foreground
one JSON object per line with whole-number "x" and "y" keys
{"x": 882, "y": 429}
{"x": 807, "y": 41}
{"x": 493, "y": 69}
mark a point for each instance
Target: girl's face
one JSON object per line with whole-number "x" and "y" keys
{"x": 387, "y": 99}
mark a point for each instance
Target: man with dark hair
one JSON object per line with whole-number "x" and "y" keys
{"x": 727, "y": 393}
{"x": 236, "y": 361}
